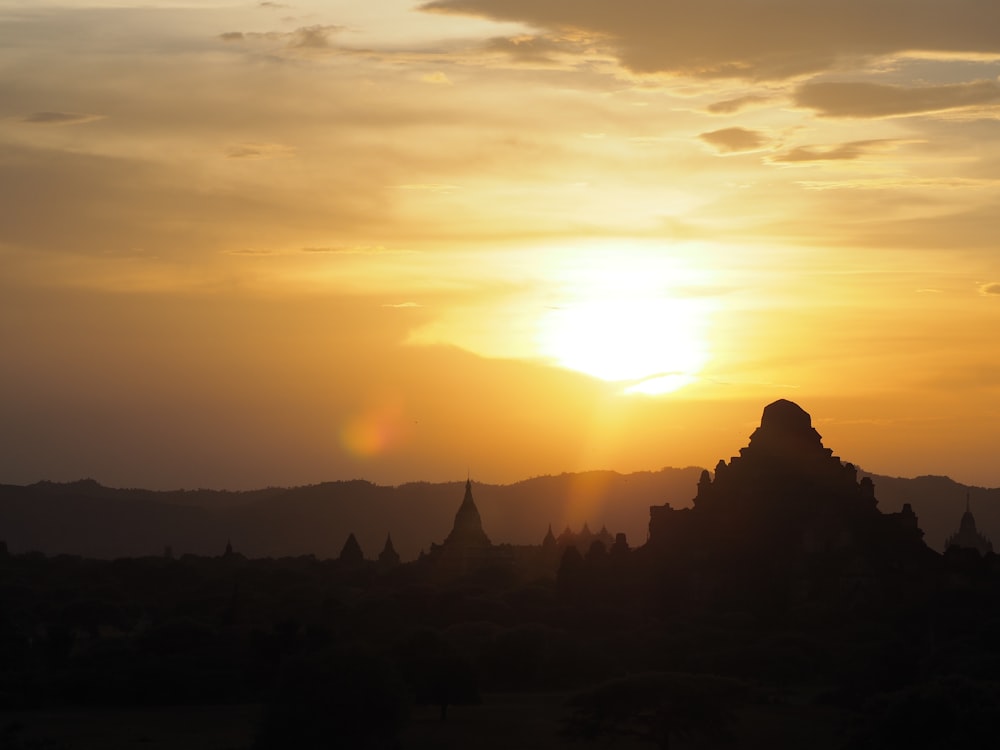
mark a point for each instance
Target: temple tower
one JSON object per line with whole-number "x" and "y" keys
{"x": 467, "y": 531}
{"x": 968, "y": 536}
{"x": 388, "y": 557}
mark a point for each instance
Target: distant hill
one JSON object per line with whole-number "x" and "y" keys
{"x": 86, "y": 518}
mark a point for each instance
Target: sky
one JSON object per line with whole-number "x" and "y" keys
{"x": 246, "y": 244}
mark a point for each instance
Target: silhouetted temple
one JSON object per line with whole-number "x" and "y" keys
{"x": 968, "y": 536}
{"x": 350, "y": 553}
{"x": 787, "y": 507}
{"x": 584, "y": 539}
{"x": 388, "y": 557}
{"x": 467, "y": 549}
{"x": 467, "y": 532}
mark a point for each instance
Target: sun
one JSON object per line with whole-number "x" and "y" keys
{"x": 628, "y": 320}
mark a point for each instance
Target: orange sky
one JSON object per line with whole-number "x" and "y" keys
{"x": 262, "y": 243}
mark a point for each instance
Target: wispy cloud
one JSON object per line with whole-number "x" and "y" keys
{"x": 356, "y": 250}
{"x": 432, "y": 187}
{"x": 253, "y": 253}
{"x": 992, "y": 288}
{"x": 840, "y": 152}
{"x": 530, "y": 48}
{"x": 316, "y": 37}
{"x": 864, "y": 100}
{"x": 739, "y": 103}
{"x": 60, "y": 118}
{"x": 259, "y": 151}
{"x": 313, "y": 37}
{"x": 437, "y": 77}
{"x": 887, "y": 183}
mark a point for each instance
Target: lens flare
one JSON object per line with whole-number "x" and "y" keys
{"x": 375, "y": 430}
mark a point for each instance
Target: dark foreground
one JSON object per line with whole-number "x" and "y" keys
{"x": 503, "y": 721}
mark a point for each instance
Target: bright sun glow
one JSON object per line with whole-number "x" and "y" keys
{"x": 625, "y": 320}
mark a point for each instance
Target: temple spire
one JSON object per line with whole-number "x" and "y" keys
{"x": 550, "y": 538}
{"x": 388, "y": 557}
{"x": 468, "y": 528}
{"x": 968, "y": 536}
{"x": 351, "y": 553}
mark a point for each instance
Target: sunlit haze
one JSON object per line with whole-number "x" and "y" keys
{"x": 269, "y": 243}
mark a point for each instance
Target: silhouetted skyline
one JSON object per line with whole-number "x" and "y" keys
{"x": 785, "y": 607}
{"x": 87, "y": 518}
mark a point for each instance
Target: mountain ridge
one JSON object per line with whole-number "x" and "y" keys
{"x": 87, "y": 518}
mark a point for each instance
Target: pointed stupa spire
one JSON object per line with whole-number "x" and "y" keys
{"x": 968, "y": 523}
{"x": 605, "y": 536}
{"x": 388, "y": 556}
{"x": 550, "y": 538}
{"x": 468, "y": 528}
{"x": 968, "y": 536}
{"x": 351, "y": 552}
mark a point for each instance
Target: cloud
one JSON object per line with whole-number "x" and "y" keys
{"x": 776, "y": 40}
{"x": 304, "y": 38}
{"x": 59, "y": 118}
{"x": 993, "y": 288}
{"x": 532, "y": 49}
{"x": 259, "y": 151}
{"x": 356, "y": 250}
{"x": 842, "y": 152}
{"x": 402, "y": 305}
{"x": 892, "y": 182}
{"x": 431, "y": 187}
{"x": 436, "y": 77}
{"x": 732, "y": 140}
{"x": 252, "y": 253}
{"x": 729, "y": 106}
{"x": 312, "y": 37}
{"x": 880, "y": 100}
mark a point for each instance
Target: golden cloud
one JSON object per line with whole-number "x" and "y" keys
{"x": 733, "y": 140}
{"x": 834, "y": 99}
{"x": 777, "y": 40}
